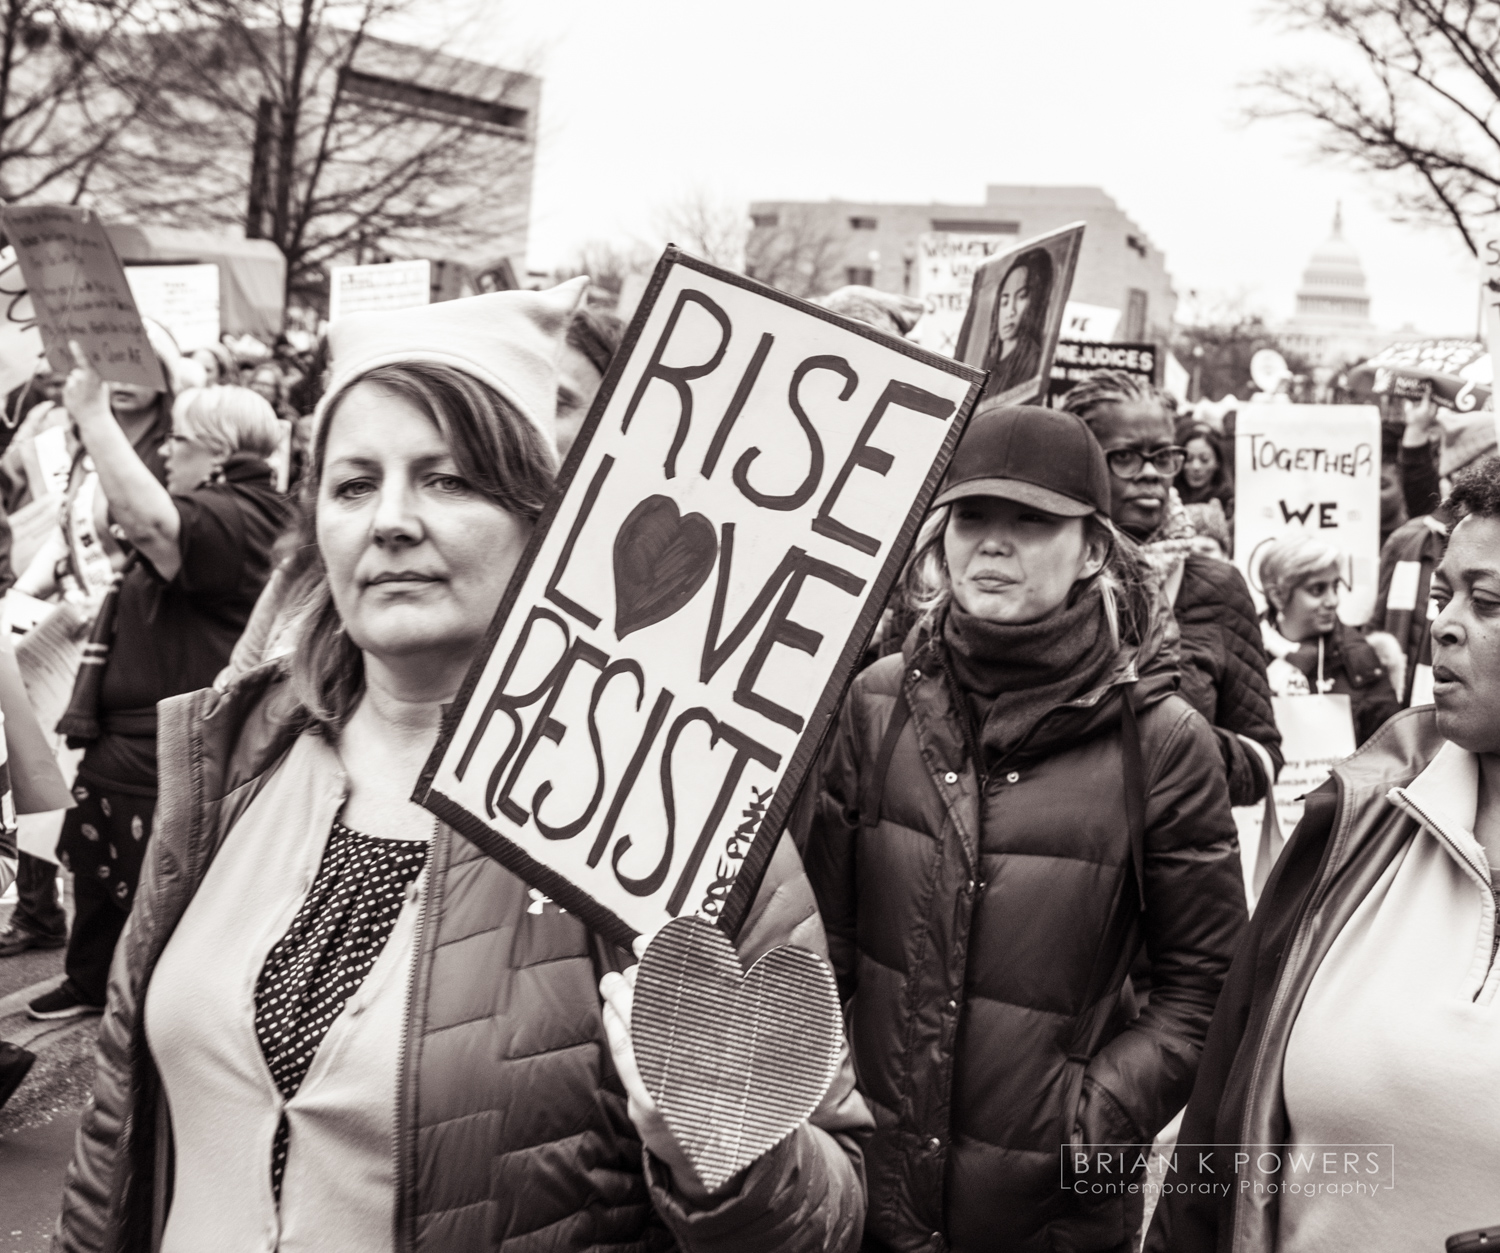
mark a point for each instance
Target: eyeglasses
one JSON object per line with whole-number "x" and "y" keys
{"x": 1128, "y": 463}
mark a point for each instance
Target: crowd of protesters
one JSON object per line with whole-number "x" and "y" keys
{"x": 329, "y": 1022}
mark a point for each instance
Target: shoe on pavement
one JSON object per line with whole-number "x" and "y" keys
{"x": 61, "y": 1002}
{"x": 14, "y": 1063}
{"x": 14, "y": 940}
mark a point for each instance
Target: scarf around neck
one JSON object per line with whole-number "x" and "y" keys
{"x": 1013, "y": 674}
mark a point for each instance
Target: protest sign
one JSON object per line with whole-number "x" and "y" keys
{"x": 183, "y": 298}
{"x": 1076, "y": 360}
{"x": 1095, "y": 323}
{"x": 20, "y": 341}
{"x": 1317, "y": 732}
{"x": 679, "y": 631}
{"x": 946, "y": 264}
{"x": 376, "y": 288}
{"x": 1489, "y": 257}
{"x": 1456, "y": 373}
{"x": 1015, "y": 312}
{"x": 79, "y": 293}
{"x": 1314, "y": 468}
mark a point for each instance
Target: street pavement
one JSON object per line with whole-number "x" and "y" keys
{"x": 37, "y": 1123}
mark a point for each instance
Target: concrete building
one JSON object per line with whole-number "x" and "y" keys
{"x": 876, "y": 245}
{"x": 1332, "y": 325}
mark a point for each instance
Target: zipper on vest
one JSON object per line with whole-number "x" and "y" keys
{"x": 1484, "y": 875}
{"x": 400, "y": 1142}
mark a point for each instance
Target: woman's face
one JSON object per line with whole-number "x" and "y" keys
{"x": 577, "y": 385}
{"x": 1011, "y": 563}
{"x": 1312, "y": 608}
{"x": 189, "y": 464}
{"x": 417, "y": 559}
{"x": 128, "y": 400}
{"x": 1015, "y": 296}
{"x": 1466, "y": 637}
{"x": 267, "y": 384}
{"x": 1201, "y": 463}
{"x": 1137, "y": 505}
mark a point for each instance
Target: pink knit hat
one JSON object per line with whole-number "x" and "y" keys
{"x": 511, "y": 340}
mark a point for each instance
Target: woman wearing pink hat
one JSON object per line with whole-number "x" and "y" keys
{"x": 1013, "y": 808}
{"x": 334, "y": 1023}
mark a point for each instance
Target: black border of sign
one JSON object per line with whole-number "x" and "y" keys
{"x": 747, "y": 882}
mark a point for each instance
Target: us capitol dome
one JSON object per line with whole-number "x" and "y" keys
{"x": 1332, "y": 324}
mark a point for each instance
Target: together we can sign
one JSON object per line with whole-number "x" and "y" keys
{"x": 679, "y": 632}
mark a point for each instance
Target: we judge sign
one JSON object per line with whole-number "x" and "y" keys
{"x": 683, "y": 623}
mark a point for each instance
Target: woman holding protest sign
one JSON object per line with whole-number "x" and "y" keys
{"x": 1011, "y": 808}
{"x": 337, "y": 1025}
{"x": 1222, "y": 658}
{"x": 1313, "y": 651}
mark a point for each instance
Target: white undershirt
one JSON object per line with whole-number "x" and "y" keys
{"x": 1398, "y": 1041}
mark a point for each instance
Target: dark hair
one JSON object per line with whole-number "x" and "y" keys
{"x": 1111, "y": 387}
{"x": 1476, "y": 491}
{"x": 596, "y": 335}
{"x": 496, "y": 450}
{"x": 1189, "y": 431}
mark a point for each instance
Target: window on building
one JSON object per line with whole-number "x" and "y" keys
{"x": 860, "y": 276}
{"x": 765, "y": 221}
{"x": 1135, "y": 316}
{"x": 975, "y": 226}
{"x": 374, "y": 89}
{"x": 862, "y": 224}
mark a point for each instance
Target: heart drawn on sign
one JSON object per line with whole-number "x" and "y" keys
{"x": 736, "y": 1060}
{"x": 661, "y": 560}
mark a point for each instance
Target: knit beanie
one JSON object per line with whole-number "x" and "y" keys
{"x": 884, "y": 310}
{"x": 510, "y": 340}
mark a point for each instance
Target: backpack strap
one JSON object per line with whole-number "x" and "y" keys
{"x": 1135, "y": 789}
{"x": 873, "y": 787}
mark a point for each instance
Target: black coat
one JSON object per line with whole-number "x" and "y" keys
{"x": 982, "y": 940}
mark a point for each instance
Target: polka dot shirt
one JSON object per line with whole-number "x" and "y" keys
{"x": 325, "y": 955}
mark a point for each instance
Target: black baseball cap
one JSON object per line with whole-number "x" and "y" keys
{"x": 1040, "y": 457}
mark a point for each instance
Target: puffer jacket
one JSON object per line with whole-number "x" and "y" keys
{"x": 511, "y": 1125}
{"x": 1224, "y": 670}
{"x": 1348, "y": 837}
{"x": 982, "y": 940}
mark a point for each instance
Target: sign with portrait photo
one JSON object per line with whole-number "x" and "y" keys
{"x": 1015, "y": 314}
{"x": 693, "y": 602}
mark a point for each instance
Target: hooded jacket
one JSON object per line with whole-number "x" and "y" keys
{"x": 982, "y": 935}
{"x": 511, "y": 1126}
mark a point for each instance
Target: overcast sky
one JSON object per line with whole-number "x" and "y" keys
{"x": 647, "y": 100}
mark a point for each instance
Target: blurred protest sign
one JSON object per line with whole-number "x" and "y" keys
{"x": 1489, "y": 258}
{"x": 653, "y": 689}
{"x": 1317, "y": 732}
{"x": 79, "y": 293}
{"x": 1457, "y": 373}
{"x": 1095, "y": 323}
{"x": 946, "y": 264}
{"x": 20, "y": 341}
{"x": 1315, "y": 468}
{"x": 373, "y": 288}
{"x": 183, "y": 298}
{"x": 1076, "y": 360}
{"x": 1015, "y": 312}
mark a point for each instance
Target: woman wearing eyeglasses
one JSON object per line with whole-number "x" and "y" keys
{"x": 1316, "y": 653}
{"x": 1222, "y": 657}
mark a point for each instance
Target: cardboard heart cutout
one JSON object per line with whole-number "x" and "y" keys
{"x": 736, "y": 1060}
{"x": 661, "y": 560}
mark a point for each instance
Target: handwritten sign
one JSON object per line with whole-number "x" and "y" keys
{"x": 947, "y": 262}
{"x": 1095, "y": 323}
{"x": 183, "y": 298}
{"x": 377, "y": 288}
{"x": 20, "y": 342}
{"x": 677, "y": 636}
{"x": 79, "y": 292}
{"x": 1076, "y": 360}
{"x": 1015, "y": 314}
{"x": 1313, "y": 468}
{"x": 1489, "y": 257}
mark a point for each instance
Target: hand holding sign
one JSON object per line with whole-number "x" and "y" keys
{"x": 84, "y": 394}
{"x": 720, "y": 1064}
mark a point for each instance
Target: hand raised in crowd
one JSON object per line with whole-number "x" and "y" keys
{"x": 84, "y": 392}
{"x": 1421, "y": 421}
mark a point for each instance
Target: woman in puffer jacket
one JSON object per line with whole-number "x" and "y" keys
{"x": 1010, "y": 809}
{"x": 333, "y": 1024}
